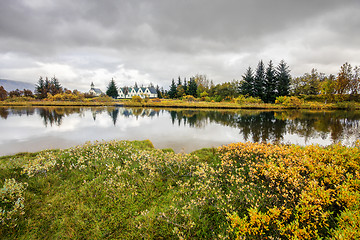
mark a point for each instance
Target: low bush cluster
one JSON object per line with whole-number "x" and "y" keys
{"x": 290, "y": 102}
{"x": 189, "y": 98}
{"x": 65, "y": 97}
{"x": 136, "y": 99}
{"x": 246, "y": 100}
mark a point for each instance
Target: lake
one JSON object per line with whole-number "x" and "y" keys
{"x": 184, "y": 130}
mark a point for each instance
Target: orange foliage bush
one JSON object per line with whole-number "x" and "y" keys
{"x": 293, "y": 192}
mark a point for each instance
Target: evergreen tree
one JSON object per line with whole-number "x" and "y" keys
{"x": 112, "y": 89}
{"x": 283, "y": 79}
{"x": 247, "y": 87}
{"x": 270, "y": 83}
{"x": 179, "y": 81}
{"x": 259, "y": 80}
{"x": 185, "y": 87}
{"x": 192, "y": 87}
{"x": 314, "y": 82}
{"x": 158, "y": 91}
{"x": 47, "y": 86}
{"x": 40, "y": 90}
{"x": 180, "y": 91}
{"x": 55, "y": 86}
{"x": 172, "y": 91}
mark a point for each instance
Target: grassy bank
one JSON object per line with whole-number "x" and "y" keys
{"x": 57, "y": 103}
{"x": 293, "y": 103}
{"x": 129, "y": 190}
{"x": 171, "y": 103}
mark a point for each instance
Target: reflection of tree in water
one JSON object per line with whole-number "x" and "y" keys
{"x": 4, "y": 113}
{"x": 132, "y": 112}
{"x": 50, "y": 116}
{"x": 255, "y": 125}
{"x": 20, "y": 111}
{"x": 272, "y": 126}
{"x": 97, "y": 110}
{"x": 54, "y": 115}
{"x": 113, "y": 113}
{"x": 311, "y": 124}
{"x": 193, "y": 118}
{"x": 261, "y": 126}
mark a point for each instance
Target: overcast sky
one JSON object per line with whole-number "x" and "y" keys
{"x": 143, "y": 41}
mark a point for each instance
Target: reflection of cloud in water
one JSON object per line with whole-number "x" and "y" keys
{"x": 35, "y": 144}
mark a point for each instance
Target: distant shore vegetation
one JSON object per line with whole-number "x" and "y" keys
{"x": 268, "y": 86}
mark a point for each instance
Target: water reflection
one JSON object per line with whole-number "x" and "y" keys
{"x": 270, "y": 126}
{"x": 248, "y": 125}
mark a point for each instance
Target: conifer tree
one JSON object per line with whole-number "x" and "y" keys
{"x": 179, "y": 81}
{"x": 47, "y": 85}
{"x": 158, "y": 92}
{"x": 55, "y": 86}
{"x": 314, "y": 82}
{"x": 283, "y": 79}
{"x": 270, "y": 83}
{"x": 192, "y": 87}
{"x": 186, "y": 90}
{"x": 247, "y": 87}
{"x": 112, "y": 89}
{"x": 172, "y": 91}
{"x": 39, "y": 88}
{"x": 259, "y": 80}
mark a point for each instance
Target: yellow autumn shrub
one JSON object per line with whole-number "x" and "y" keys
{"x": 293, "y": 192}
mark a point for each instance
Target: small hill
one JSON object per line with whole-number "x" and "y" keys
{"x": 10, "y": 85}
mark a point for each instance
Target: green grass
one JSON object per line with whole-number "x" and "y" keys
{"x": 130, "y": 190}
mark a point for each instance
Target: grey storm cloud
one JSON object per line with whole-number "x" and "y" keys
{"x": 154, "y": 41}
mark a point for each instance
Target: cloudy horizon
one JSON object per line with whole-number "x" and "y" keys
{"x": 154, "y": 41}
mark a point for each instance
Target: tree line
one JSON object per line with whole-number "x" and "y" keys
{"x": 269, "y": 82}
{"x": 314, "y": 83}
{"x": 266, "y": 83}
{"x": 48, "y": 86}
{"x": 14, "y": 93}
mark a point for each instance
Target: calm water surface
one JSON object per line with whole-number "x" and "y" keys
{"x": 33, "y": 129}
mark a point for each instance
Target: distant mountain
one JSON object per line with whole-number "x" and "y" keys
{"x": 10, "y": 85}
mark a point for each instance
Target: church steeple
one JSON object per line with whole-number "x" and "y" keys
{"x": 92, "y": 85}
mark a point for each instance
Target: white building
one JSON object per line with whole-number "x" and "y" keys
{"x": 95, "y": 91}
{"x": 143, "y": 92}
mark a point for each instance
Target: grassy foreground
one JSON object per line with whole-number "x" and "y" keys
{"x": 130, "y": 190}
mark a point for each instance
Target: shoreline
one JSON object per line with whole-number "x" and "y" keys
{"x": 183, "y": 104}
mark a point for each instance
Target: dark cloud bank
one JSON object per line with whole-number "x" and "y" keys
{"x": 153, "y": 41}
